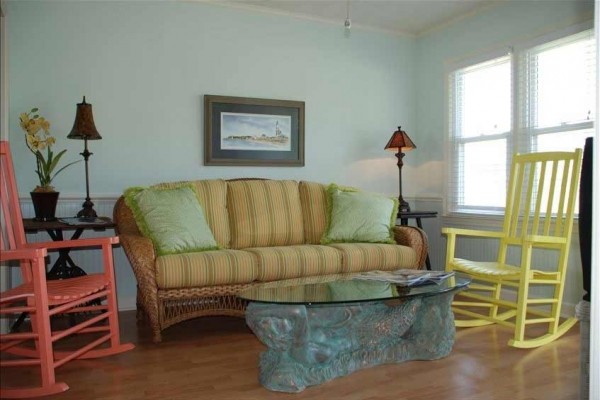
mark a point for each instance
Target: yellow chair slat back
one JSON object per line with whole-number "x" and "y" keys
{"x": 542, "y": 194}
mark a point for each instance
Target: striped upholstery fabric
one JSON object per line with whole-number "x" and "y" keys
{"x": 207, "y": 268}
{"x": 313, "y": 197}
{"x": 264, "y": 213}
{"x": 286, "y": 262}
{"x": 212, "y": 194}
{"x": 360, "y": 257}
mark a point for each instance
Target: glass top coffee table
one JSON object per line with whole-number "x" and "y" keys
{"x": 320, "y": 328}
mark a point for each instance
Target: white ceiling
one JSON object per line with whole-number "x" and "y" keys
{"x": 411, "y": 17}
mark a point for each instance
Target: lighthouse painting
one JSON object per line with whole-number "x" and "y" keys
{"x": 261, "y": 132}
{"x": 248, "y": 131}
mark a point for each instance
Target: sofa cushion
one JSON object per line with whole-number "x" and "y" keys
{"x": 359, "y": 257}
{"x": 212, "y": 194}
{"x": 220, "y": 267}
{"x": 313, "y": 197}
{"x": 356, "y": 216}
{"x": 264, "y": 213}
{"x": 286, "y": 262}
{"x": 172, "y": 218}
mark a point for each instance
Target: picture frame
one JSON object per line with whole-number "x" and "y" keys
{"x": 245, "y": 131}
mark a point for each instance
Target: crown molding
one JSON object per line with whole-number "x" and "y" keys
{"x": 266, "y": 10}
{"x": 477, "y": 10}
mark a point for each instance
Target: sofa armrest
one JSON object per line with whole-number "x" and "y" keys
{"x": 123, "y": 218}
{"x": 138, "y": 248}
{"x": 414, "y": 237}
{"x": 140, "y": 252}
{"x": 142, "y": 257}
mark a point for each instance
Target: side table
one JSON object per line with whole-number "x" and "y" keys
{"x": 64, "y": 267}
{"x": 404, "y": 216}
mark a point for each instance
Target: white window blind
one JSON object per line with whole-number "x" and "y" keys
{"x": 557, "y": 93}
{"x": 480, "y": 129}
{"x": 541, "y": 98}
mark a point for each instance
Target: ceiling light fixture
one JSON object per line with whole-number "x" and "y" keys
{"x": 347, "y": 22}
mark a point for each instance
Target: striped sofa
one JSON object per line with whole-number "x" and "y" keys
{"x": 268, "y": 231}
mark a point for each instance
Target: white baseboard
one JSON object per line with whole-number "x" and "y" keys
{"x": 127, "y": 304}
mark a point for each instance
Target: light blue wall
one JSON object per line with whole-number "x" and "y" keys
{"x": 491, "y": 29}
{"x": 145, "y": 67}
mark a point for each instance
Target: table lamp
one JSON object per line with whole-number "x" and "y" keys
{"x": 400, "y": 142}
{"x": 84, "y": 128}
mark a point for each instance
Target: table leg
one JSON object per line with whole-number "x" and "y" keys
{"x": 64, "y": 267}
{"x": 17, "y": 324}
{"x": 427, "y": 261}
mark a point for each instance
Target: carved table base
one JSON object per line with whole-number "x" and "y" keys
{"x": 311, "y": 345}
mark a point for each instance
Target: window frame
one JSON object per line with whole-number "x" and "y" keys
{"x": 521, "y": 136}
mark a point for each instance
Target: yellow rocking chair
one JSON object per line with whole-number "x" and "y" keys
{"x": 539, "y": 211}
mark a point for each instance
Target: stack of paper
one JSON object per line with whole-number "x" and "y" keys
{"x": 408, "y": 277}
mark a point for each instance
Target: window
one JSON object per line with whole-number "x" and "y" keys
{"x": 540, "y": 98}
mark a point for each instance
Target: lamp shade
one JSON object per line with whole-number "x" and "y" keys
{"x": 83, "y": 127}
{"x": 400, "y": 142}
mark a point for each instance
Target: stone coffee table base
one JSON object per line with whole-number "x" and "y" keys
{"x": 311, "y": 345}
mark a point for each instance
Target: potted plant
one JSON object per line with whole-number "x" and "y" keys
{"x": 38, "y": 139}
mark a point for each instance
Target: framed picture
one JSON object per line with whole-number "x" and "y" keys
{"x": 256, "y": 132}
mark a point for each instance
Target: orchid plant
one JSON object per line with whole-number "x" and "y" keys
{"x": 38, "y": 139}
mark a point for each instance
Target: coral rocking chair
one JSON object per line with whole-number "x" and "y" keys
{"x": 91, "y": 296}
{"x": 539, "y": 212}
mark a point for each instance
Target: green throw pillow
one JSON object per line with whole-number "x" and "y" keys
{"x": 355, "y": 216}
{"x": 172, "y": 218}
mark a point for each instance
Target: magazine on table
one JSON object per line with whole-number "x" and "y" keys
{"x": 407, "y": 277}
{"x": 82, "y": 221}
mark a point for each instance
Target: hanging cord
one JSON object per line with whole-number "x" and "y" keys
{"x": 347, "y": 22}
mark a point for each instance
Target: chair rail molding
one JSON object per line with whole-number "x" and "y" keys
{"x": 69, "y": 204}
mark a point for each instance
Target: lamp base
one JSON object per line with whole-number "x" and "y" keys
{"x": 87, "y": 211}
{"x": 403, "y": 205}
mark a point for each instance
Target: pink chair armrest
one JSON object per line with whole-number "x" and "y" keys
{"x": 22, "y": 254}
{"x": 92, "y": 242}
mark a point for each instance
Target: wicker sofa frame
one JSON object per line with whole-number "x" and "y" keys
{"x": 162, "y": 308}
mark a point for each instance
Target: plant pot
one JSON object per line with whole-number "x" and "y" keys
{"x": 44, "y": 205}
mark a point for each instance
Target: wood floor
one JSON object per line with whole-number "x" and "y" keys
{"x": 216, "y": 358}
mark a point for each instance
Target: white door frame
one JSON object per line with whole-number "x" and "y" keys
{"x": 4, "y": 271}
{"x": 595, "y": 300}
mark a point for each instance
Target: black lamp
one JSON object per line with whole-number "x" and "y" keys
{"x": 84, "y": 128}
{"x": 400, "y": 142}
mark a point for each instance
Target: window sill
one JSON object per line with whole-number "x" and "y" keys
{"x": 483, "y": 221}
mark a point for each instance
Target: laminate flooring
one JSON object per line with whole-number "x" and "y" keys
{"x": 217, "y": 358}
